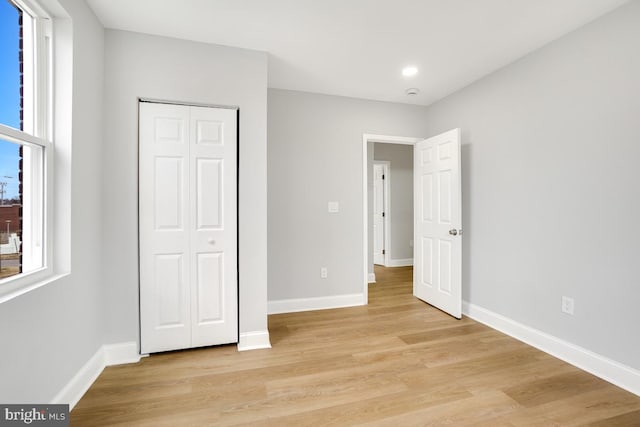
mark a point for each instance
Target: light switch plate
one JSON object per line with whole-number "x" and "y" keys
{"x": 334, "y": 207}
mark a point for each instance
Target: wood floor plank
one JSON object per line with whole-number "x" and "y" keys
{"x": 446, "y": 333}
{"x": 551, "y": 389}
{"x": 581, "y": 409}
{"x": 464, "y": 412}
{"x": 371, "y": 410}
{"x": 630, "y": 419}
{"x": 396, "y": 362}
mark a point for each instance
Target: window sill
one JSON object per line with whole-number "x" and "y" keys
{"x": 32, "y": 281}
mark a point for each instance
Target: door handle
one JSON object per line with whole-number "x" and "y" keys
{"x": 455, "y": 232}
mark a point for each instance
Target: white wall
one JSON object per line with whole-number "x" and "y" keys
{"x": 551, "y": 194}
{"x": 48, "y": 334}
{"x": 401, "y": 198}
{"x": 314, "y": 156}
{"x": 163, "y": 68}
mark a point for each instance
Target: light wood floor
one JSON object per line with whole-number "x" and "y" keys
{"x": 396, "y": 362}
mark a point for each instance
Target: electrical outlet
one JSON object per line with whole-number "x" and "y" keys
{"x": 567, "y": 305}
{"x": 323, "y": 273}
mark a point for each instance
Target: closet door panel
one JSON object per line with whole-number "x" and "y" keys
{"x": 214, "y": 235}
{"x": 165, "y": 294}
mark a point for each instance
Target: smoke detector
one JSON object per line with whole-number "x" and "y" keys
{"x": 412, "y": 91}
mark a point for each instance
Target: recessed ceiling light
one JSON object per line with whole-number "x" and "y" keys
{"x": 412, "y": 91}
{"x": 409, "y": 71}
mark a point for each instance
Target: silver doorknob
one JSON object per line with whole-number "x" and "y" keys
{"x": 453, "y": 232}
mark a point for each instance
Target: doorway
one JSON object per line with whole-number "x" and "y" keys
{"x": 367, "y": 206}
{"x": 380, "y": 219}
{"x": 437, "y": 217}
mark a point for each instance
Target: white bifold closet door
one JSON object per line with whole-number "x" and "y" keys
{"x": 188, "y": 226}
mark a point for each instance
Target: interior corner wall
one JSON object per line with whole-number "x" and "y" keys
{"x": 144, "y": 66}
{"x": 315, "y": 156}
{"x": 400, "y": 157}
{"x": 551, "y": 201}
{"x": 49, "y": 333}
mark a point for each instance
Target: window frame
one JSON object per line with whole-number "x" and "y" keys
{"x": 38, "y": 125}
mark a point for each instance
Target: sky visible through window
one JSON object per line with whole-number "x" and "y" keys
{"x": 9, "y": 94}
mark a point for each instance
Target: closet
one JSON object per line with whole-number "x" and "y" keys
{"x": 187, "y": 226}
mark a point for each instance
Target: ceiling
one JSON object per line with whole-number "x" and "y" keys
{"x": 357, "y": 48}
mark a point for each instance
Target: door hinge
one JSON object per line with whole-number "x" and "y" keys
{"x": 383, "y": 252}
{"x": 382, "y": 214}
{"x": 382, "y": 176}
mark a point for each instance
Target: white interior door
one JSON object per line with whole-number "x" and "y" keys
{"x": 437, "y": 274}
{"x": 188, "y": 226}
{"x": 378, "y": 213}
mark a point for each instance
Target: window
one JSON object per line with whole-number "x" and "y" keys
{"x": 25, "y": 143}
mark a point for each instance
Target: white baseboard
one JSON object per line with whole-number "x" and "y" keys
{"x": 81, "y": 381}
{"x": 254, "y": 340}
{"x": 107, "y": 355}
{"x": 372, "y": 278}
{"x": 609, "y": 370}
{"x": 121, "y": 354}
{"x": 318, "y": 303}
{"x": 407, "y": 262}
